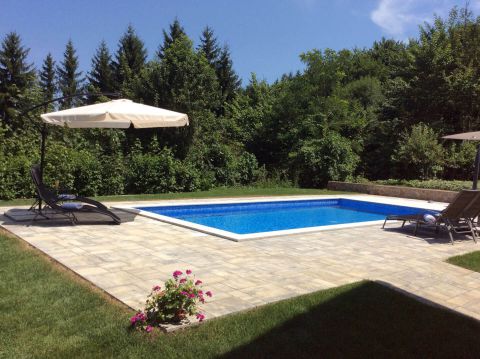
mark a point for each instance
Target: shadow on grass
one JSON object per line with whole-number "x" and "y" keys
{"x": 369, "y": 320}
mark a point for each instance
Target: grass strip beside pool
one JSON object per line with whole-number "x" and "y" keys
{"x": 45, "y": 311}
{"x": 469, "y": 261}
{"x": 215, "y": 192}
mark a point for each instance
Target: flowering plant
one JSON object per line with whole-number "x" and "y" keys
{"x": 179, "y": 299}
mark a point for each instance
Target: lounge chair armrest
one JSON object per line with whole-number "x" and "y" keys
{"x": 91, "y": 201}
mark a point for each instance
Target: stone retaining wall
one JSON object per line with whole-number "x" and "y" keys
{"x": 394, "y": 191}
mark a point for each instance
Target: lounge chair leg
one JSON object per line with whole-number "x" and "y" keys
{"x": 472, "y": 229}
{"x": 403, "y": 224}
{"x": 450, "y": 234}
{"x": 384, "y": 223}
{"x": 416, "y": 228}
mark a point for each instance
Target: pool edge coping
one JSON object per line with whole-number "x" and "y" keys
{"x": 253, "y": 236}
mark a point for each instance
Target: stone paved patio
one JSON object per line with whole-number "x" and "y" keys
{"x": 127, "y": 260}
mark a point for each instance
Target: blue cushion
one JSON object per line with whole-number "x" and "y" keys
{"x": 64, "y": 196}
{"x": 72, "y": 205}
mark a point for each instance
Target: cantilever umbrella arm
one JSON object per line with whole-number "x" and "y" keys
{"x": 470, "y": 136}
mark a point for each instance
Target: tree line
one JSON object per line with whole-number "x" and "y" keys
{"x": 373, "y": 113}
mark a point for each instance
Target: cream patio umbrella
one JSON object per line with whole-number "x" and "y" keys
{"x": 116, "y": 114}
{"x": 469, "y": 136}
{"x": 120, "y": 113}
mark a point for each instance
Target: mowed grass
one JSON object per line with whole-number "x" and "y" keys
{"x": 470, "y": 261}
{"x": 47, "y": 312}
{"x": 215, "y": 192}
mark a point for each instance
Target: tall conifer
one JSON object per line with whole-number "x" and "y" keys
{"x": 130, "y": 57}
{"x": 47, "y": 78}
{"x": 176, "y": 31}
{"x": 101, "y": 75}
{"x": 227, "y": 78}
{"x": 209, "y": 46}
{"x": 69, "y": 78}
{"x": 16, "y": 75}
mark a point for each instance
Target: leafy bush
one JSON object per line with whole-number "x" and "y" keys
{"x": 419, "y": 154}
{"x": 329, "y": 158}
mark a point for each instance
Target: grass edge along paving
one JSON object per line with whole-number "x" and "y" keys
{"x": 218, "y": 192}
{"x": 46, "y": 311}
{"x": 469, "y": 261}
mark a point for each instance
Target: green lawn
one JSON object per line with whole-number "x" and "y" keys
{"x": 46, "y": 312}
{"x": 216, "y": 192}
{"x": 470, "y": 261}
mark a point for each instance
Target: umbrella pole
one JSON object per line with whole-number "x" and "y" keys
{"x": 477, "y": 168}
{"x": 42, "y": 160}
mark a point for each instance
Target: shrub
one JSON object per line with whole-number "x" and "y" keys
{"x": 419, "y": 154}
{"x": 329, "y": 158}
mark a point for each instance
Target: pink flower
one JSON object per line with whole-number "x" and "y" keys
{"x": 133, "y": 319}
{"x": 149, "y": 328}
{"x": 191, "y": 295}
{"x": 184, "y": 293}
{"x": 200, "y": 317}
{"x": 202, "y": 300}
{"x": 188, "y": 271}
{"x": 209, "y": 294}
{"x": 198, "y": 282}
{"x": 200, "y": 292}
{"x": 157, "y": 287}
{"x": 177, "y": 273}
{"x": 183, "y": 280}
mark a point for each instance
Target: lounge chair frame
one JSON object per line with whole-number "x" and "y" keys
{"x": 458, "y": 217}
{"x": 54, "y": 202}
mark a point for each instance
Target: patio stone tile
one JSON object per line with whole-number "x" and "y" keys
{"x": 127, "y": 260}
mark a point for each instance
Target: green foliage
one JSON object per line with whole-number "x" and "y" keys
{"x": 48, "y": 83}
{"x": 130, "y": 57}
{"x": 428, "y": 184}
{"x": 344, "y": 115}
{"x": 419, "y": 152}
{"x": 69, "y": 78}
{"x": 16, "y": 76}
{"x": 328, "y": 158}
{"x": 101, "y": 76}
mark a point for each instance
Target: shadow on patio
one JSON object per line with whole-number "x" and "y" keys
{"x": 368, "y": 320}
{"x": 24, "y": 217}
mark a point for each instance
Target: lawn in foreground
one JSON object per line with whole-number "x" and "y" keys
{"x": 215, "y": 192}
{"x": 46, "y": 312}
{"x": 469, "y": 261}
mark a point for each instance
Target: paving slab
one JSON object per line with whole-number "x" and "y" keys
{"x": 127, "y": 260}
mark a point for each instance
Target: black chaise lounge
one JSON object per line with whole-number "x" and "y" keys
{"x": 61, "y": 204}
{"x": 458, "y": 217}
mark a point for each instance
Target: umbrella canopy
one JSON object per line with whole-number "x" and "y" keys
{"x": 470, "y": 136}
{"x": 116, "y": 114}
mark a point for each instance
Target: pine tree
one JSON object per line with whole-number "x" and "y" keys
{"x": 130, "y": 57}
{"x": 176, "y": 32}
{"x": 209, "y": 46}
{"x": 16, "y": 75}
{"x": 69, "y": 78}
{"x": 227, "y": 78}
{"x": 47, "y": 78}
{"x": 101, "y": 76}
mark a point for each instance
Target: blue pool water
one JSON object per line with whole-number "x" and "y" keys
{"x": 247, "y": 218}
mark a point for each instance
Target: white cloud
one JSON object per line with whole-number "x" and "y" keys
{"x": 396, "y": 17}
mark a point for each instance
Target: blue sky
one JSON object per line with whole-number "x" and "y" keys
{"x": 265, "y": 36}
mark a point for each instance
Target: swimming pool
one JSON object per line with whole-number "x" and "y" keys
{"x": 248, "y": 220}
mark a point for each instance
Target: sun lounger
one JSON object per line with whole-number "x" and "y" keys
{"x": 68, "y": 204}
{"x": 457, "y": 218}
